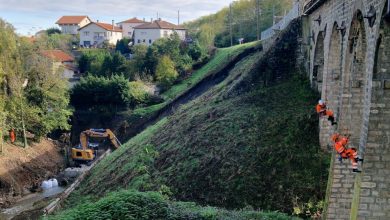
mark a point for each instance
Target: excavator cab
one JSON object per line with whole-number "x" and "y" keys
{"x": 84, "y": 152}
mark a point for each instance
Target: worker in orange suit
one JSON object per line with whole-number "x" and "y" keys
{"x": 12, "y": 135}
{"x": 323, "y": 111}
{"x": 340, "y": 145}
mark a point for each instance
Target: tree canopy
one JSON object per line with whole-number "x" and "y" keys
{"x": 30, "y": 88}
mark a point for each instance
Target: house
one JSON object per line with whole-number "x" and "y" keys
{"x": 64, "y": 62}
{"x": 129, "y": 25}
{"x": 71, "y": 24}
{"x": 95, "y": 34}
{"x": 150, "y": 32}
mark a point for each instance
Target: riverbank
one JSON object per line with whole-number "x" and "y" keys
{"x": 22, "y": 170}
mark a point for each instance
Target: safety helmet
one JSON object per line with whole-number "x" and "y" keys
{"x": 335, "y": 137}
{"x": 321, "y": 102}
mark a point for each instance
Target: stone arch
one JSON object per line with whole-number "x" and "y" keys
{"x": 333, "y": 76}
{"x": 377, "y": 149}
{"x": 318, "y": 63}
{"x": 332, "y": 83}
{"x": 353, "y": 80}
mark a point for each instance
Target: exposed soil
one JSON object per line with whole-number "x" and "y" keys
{"x": 23, "y": 170}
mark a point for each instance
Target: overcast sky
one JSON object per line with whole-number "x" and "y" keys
{"x": 30, "y": 16}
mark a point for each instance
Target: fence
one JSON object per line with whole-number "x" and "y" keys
{"x": 282, "y": 24}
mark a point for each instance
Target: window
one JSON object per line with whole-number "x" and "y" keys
{"x": 129, "y": 33}
{"x": 86, "y": 33}
{"x": 144, "y": 41}
{"x": 139, "y": 41}
{"x": 78, "y": 154}
{"x": 150, "y": 41}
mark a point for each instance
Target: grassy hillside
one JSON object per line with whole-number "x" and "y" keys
{"x": 249, "y": 142}
{"x": 127, "y": 205}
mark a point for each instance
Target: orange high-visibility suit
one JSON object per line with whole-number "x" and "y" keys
{"x": 346, "y": 153}
{"x": 12, "y": 135}
{"x": 322, "y": 111}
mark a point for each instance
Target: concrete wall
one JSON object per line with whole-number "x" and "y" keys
{"x": 353, "y": 59}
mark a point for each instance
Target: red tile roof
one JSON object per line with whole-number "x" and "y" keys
{"x": 105, "y": 26}
{"x": 58, "y": 55}
{"x": 132, "y": 20}
{"x": 71, "y": 19}
{"x": 160, "y": 24}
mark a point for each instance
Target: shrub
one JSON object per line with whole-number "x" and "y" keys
{"x": 114, "y": 91}
{"x": 165, "y": 71}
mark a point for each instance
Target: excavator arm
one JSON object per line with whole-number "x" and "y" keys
{"x": 87, "y": 154}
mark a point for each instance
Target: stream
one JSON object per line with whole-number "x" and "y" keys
{"x": 29, "y": 203}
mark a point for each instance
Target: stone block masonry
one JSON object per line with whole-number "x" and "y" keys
{"x": 348, "y": 61}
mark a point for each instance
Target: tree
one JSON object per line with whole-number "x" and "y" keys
{"x": 122, "y": 46}
{"x": 53, "y": 30}
{"x": 166, "y": 73}
{"x": 44, "y": 102}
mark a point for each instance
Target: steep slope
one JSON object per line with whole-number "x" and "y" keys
{"x": 252, "y": 140}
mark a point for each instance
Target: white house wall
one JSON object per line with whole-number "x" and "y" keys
{"x": 148, "y": 36}
{"x": 128, "y": 29}
{"x": 73, "y": 28}
{"x": 96, "y": 35}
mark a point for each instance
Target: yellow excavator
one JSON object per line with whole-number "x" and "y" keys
{"x": 83, "y": 152}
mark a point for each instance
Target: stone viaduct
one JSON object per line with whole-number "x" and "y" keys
{"x": 347, "y": 49}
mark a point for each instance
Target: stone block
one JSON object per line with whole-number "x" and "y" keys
{"x": 375, "y": 207}
{"x": 380, "y": 200}
{"x": 368, "y": 185}
{"x": 367, "y": 200}
{"x": 365, "y": 192}
{"x": 386, "y": 84}
{"x": 363, "y": 206}
{"x": 364, "y": 213}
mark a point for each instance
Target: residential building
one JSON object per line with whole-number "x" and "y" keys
{"x": 63, "y": 62}
{"x": 129, "y": 25}
{"x": 71, "y": 24}
{"x": 150, "y": 32}
{"x": 95, "y": 34}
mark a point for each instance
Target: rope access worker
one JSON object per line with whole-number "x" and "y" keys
{"x": 323, "y": 111}
{"x": 12, "y": 135}
{"x": 340, "y": 145}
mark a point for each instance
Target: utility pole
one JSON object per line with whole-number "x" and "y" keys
{"x": 230, "y": 24}
{"x": 178, "y": 17}
{"x": 258, "y": 19}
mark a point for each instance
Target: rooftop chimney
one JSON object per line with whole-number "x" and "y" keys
{"x": 112, "y": 24}
{"x": 159, "y": 19}
{"x": 97, "y": 21}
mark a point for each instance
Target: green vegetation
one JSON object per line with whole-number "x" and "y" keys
{"x": 108, "y": 92}
{"x": 32, "y": 91}
{"x": 165, "y": 71}
{"x": 234, "y": 147}
{"x": 213, "y": 30}
{"x": 221, "y": 58}
{"x": 127, "y": 205}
